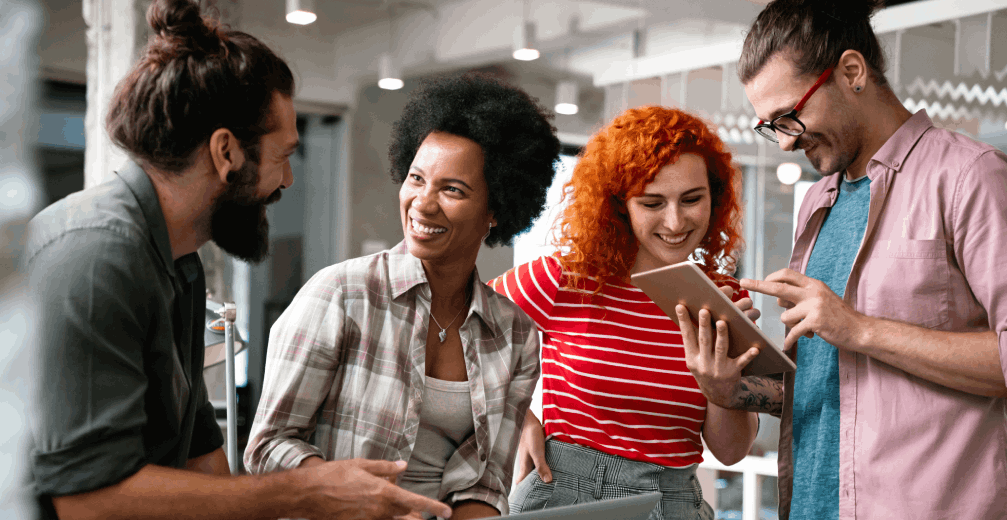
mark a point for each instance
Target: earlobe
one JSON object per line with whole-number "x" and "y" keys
{"x": 853, "y": 67}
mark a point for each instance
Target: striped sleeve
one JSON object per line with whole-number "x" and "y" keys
{"x": 532, "y": 287}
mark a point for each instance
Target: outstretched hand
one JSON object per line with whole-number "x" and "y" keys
{"x": 362, "y": 489}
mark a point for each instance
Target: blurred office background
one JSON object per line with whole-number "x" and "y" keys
{"x": 21, "y": 25}
{"x": 594, "y": 59}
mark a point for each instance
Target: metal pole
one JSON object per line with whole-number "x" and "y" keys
{"x": 230, "y": 312}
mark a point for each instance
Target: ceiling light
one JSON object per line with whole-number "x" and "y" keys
{"x": 390, "y": 77}
{"x": 524, "y": 42}
{"x": 301, "y": 12}
{"x": 566, "y": 98}
{"x": 788, "y": 173}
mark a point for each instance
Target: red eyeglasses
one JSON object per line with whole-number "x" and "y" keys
{"x": 788, "y": 123}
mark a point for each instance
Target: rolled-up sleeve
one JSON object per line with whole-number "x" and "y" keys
{"x": 494, "y": 484}
{"x": 980, "y": 209}
{"x": 301, "y": 363}
{"x": 89, "y": 411}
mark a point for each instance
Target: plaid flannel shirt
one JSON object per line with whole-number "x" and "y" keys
{"x": 346, "y": 363}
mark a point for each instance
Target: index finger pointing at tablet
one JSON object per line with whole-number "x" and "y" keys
{"x": 780, "y": 290}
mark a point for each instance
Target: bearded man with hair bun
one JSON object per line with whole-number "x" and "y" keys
{"x": 122, "y": 426}
{"x": 895, "y": 295}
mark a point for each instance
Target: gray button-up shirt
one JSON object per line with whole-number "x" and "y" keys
{"x": 121, "y": 344}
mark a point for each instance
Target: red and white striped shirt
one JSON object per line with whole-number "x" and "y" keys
{"x": 613, "y": 368}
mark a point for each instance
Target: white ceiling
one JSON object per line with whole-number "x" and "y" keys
{"x": 339, "y": 15}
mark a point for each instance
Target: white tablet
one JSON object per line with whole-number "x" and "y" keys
{"x": 636, "y": 507}
{"x": 684, "y": 283}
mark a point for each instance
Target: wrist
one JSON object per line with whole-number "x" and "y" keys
{"x": 288, "y": 494}
{"x": 731, "y": 399}
{"x": 862, "y": 333}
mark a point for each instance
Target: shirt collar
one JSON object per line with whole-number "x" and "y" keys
{"x": 405, "y": 272}
{"x": 895, "y": 150}
{"x": 146, "y": 197}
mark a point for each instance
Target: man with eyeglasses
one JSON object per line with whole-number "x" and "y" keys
{"x": 896, "y": 301}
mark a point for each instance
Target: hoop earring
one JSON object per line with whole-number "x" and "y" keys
{"x": 488, "y": 231}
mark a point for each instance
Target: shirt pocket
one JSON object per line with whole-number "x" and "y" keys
{"x": 908, "y": 281}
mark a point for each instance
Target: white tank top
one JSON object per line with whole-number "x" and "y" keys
{"x": 445, "y": 422}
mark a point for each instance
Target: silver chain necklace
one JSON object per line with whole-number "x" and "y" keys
{"x": 443, "y": 334}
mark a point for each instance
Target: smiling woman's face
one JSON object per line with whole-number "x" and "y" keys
{"x": 444, "y": 201}
{"x": 672, "y": 215}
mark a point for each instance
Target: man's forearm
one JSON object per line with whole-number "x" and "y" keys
{"x": 965, "y": 361}
{"x": 759, "y": 394}
{"x": 157, "y": 492}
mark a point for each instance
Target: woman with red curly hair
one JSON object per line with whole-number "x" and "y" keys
{"x": 622, "y": 413}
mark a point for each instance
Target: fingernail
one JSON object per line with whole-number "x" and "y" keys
{"x": 401, "y": 464}
{"x": 446, "y": 515}
{"x": 547, "y": 479}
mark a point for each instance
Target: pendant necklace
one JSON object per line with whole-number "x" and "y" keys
{"x": 443, "y": 334}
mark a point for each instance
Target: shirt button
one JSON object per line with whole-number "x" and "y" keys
{"x": 482, "y": 458}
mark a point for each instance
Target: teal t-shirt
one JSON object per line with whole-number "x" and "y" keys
{"x": 816, "y": 385}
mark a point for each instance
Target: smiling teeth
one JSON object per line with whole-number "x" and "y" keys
{"x": 427, "y": 230}
{"x": 674, "y": 242}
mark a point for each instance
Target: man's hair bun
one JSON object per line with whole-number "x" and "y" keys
{"x": 194, "y": 77}
{"x": 175, "y": 20}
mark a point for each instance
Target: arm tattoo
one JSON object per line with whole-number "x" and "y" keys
{"x": 759, "y": 394}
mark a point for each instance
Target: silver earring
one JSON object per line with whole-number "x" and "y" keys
{"x": 858, "y": 88}
{"x": 488, "y": 231}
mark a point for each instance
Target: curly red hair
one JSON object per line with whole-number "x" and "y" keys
{"x": 617, "y": 163}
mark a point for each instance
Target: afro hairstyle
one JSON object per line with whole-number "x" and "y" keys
{"x": 519, "y": 144}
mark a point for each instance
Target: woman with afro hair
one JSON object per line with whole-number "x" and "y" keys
{"x": 405, "y": 355}
{"x": 622, "y": 413}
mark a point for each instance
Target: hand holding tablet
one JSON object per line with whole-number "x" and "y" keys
{"x": 685, "y": 284}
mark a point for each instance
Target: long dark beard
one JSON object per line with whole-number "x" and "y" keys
{"x": 238, "y": 223}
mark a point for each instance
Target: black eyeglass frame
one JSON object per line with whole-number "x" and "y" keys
{"x": 769, "y": 130}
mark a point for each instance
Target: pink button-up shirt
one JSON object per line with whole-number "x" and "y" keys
{"x": 934, "y": 255}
